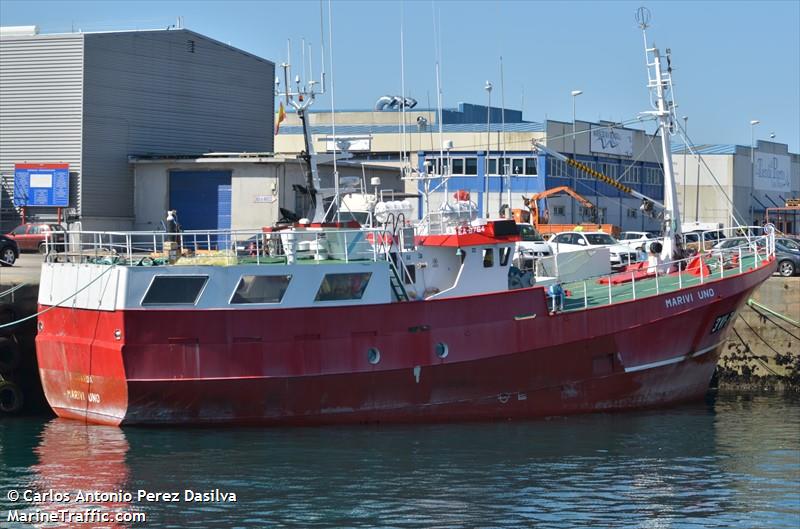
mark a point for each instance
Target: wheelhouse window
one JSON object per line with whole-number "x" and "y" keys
{"x": 338, "y": 287}
{"x": 488, "y": 257}
{"x": 174, "y": 290}
{"x": 505, "y": 253}
{"x": 261, "y": 289}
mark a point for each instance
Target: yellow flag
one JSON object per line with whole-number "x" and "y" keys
{"x": 281, "y": 117}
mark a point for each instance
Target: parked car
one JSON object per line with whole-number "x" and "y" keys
{"x": 531, "y": 246}
{"x": 31, "y": 236}
{"x": 571, "y": 241}
{"x": 637, "y": 239}
{"x": 787, "y": 251}
{"x": 691, "y": 240}
{"x": 9, "y": 251}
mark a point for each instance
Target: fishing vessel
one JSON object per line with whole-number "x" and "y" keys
{"x": 325, "y": 321}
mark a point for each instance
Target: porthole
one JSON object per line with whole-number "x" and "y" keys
{"x": 373, "y": 355}
{"x": 40, "y": 326}
{"x": 442, "y": 350}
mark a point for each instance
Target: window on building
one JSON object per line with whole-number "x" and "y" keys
{"x": 492, "y": 166}
{"x": 530, "y": 167}
{"x": 586, "y": 212}
{"x": 517, "y": 166}
{"x": 632, "y": 213}
{"x": 261, "y": 289}
{"x": 558, "y": 211}
{"x": 337, "y": 287}
{"x": 174, "y": 290}
{"x": 471, "y": 166}
{"x": 488, "y": 257}
{"x": 458, "y": 166}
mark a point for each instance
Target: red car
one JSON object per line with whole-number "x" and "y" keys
{"x": 30, "y": 236}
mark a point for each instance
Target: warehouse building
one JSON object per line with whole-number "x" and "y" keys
{"x": 91, "y": 100}
{"x": 625, "y": 154}
{"x": 757, "y": 180}
{"x": 240, "y": 191}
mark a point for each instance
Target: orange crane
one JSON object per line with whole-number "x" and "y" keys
{"x": 541, "y": 222}
{"x": 533, "y": 205}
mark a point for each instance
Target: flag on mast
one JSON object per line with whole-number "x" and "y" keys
{"x": 281, "y": 117}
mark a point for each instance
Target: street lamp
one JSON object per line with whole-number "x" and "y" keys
{"x": 575, "y": 94}
{"x": 488, "y": 88}
{"x": 753, "y": 123}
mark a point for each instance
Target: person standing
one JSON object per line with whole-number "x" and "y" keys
{"x": 171, "y": 225}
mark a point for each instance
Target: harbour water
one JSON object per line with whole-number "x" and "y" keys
{"x": 732, "y": 461}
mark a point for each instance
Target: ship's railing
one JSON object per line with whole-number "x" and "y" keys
{"x": 751, "y": 252}
{"x": 223, "y": 247}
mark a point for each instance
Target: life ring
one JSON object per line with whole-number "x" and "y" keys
{"x": 10, "y": 397}
{"x": 10, "y": 354}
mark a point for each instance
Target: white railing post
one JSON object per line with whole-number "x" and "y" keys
{"x": 585, "y": 296}
{"x": 741, "y": 266}
{"x": 609, "y": 289}
{"x": 701, "y": 268}
{"x": 633, "y": 284}
{"x": 721, "y": 266}
{"x": 680, "y": 276}
{"x": 346, "y": 253}
{"x": 657, "y": 289}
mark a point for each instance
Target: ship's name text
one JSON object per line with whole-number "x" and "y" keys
{"x": 685, "y": 299}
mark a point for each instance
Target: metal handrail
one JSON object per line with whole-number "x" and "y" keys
{"x": 132, "y": 246}
{"x": 753, "y": 248}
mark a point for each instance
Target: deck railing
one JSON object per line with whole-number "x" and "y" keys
{"x": 669, "y": 276}
{"x": 224, "y": 247}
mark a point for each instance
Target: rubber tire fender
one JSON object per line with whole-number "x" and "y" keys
{"x": 11, "y": 399}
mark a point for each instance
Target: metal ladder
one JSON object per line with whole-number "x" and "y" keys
{"x": 398, "y": 288}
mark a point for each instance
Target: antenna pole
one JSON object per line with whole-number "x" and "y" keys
{"x": 660, "y": 85}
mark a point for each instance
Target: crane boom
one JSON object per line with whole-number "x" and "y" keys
{"x": 598, "y": 175}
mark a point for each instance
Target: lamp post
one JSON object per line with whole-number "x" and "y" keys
{"x": 575, "y": 94}
{"x": 753, "y": 124}
{"x": 488, "y": 88}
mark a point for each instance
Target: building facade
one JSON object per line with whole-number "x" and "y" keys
{"x": 235, "y": 191}
{"x": 511, "y": 170}
{"x": 721, "y": 182}
{"x": 91, "y": 100}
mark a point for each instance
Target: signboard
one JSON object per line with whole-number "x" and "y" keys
{"x": 349, "y": 143}
{"x": 772, "y": 172}
{"x": 612, "y": 141}
{"x": 41, "y": 184}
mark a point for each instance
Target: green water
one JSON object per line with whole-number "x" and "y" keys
{"x": 729, "y": 462}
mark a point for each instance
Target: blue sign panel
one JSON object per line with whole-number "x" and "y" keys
{"x": 41, "y": 184}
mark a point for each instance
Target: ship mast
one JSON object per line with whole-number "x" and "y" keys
{"x": 659, "y": 82}
{"x": 300, "y": 99}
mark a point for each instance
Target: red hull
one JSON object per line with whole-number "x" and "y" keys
{"x": 309, "y": 366}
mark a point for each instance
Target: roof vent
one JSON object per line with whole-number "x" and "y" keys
{"x": 19, "y": 31}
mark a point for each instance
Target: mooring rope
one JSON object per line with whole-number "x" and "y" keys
{"x": 48, "y": 309}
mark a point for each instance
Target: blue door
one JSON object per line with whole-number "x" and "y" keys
{"x": 203, "y": 202}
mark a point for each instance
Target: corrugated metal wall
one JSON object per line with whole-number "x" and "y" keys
{"x": 166, "y": 92}
{"x": 41, "y": 86}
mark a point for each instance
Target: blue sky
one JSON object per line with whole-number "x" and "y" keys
{"x": 734, "y": 61}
